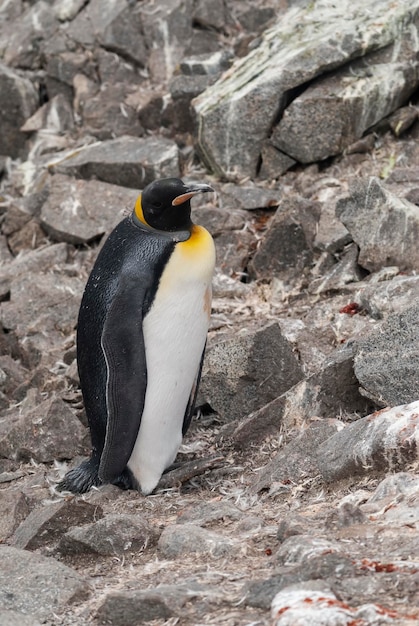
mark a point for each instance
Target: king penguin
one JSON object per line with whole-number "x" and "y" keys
{"x": 141, "y": 335}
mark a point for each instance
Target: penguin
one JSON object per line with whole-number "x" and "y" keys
{"x": 141, "y": 336}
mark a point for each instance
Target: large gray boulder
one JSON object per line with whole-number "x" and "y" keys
{"x": 239, "y": 111}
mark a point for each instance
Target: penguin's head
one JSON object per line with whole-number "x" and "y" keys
{"x": 165, "y": 204}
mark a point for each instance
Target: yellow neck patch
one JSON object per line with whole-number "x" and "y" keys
{"x": 138, "y": 210}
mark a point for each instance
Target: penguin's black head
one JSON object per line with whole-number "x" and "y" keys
{"x": 165, "y": 204}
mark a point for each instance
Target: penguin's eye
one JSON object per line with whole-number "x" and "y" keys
{"x": 157, "y": 205}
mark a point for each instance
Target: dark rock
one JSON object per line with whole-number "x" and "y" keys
{"x": 387, "y": 360}
{"x": 344, "y": 272}
{"x": 45, "y": 525}
{"x": 402, "y": 120}
{"x": 205, "y": 513}
{"x": 14, "y": 508}
{"x": 331, "y": 234}
{"x": 332, "y": 390}
{"x": 234, "y": 384}
{"x": 18, "y": 101}
{"x": 114, "y": 69}
{"x": 184, "y": 539}
{"x": 385, "y": 227}
{"x": 43, "y": 431}
{"x": 382, "y": 441}
{"x": 259, "y": 593}
{"x": 183, "y": 89}
{"x": 298, "y": 458}
{"x": 36, "y": 585}
{"x": 79, "y": 211}
{"x": 124, "y": 608}
{"x": 126, "y": 161}
{"x": 115, "y": 534}
{"x": 108, "y": 113}
{"x": 287, "y": 247}
{"x": 274, "y": 162}
{"x": 27, "y": 35}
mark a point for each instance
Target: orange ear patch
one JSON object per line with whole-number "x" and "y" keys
{"x": 183, "y": 198}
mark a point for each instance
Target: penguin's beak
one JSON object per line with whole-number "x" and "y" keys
{"x": 190, "y": 192}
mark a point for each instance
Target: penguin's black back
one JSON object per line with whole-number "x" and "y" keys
{"x": 130, "y": 250}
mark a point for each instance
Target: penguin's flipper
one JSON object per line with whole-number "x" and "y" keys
{"x": 192, "y": 398}
{"x": 123, "y": 347}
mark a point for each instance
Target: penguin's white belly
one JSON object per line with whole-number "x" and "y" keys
{"x": 175, "y": 332}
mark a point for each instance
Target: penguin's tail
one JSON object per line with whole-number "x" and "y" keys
{"x": 81, "y": 478}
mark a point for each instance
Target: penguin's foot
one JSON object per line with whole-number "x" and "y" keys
{"x": 179, "y": 473}
{"x": 81, "y": 478}
{"x": 125, "y": 480}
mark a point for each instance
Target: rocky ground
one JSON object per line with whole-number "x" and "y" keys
{"x": 297, "y": 501}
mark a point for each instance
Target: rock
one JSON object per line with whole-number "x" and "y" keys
{"x": 36, "y": 585}
{"x": 42, "y": 311}
{"x": 123, "y": 608}
{"x": 208, "y": 512}
{"x": 233, "y": 251}
{"x": 80, "y": 211}
{"x": 248, "y": 197}
{"x": 382, "y": 441}
{"x": 211, "y": 63}
{"x": 167, "y": 31}
{"x": 297, "y": 459}
{"x": 331, "y": 391}
{"x": 46, "y": 431}
{"x": 214, "y": 15}
{"x": 387, "y": 360}
{"x": 186, "y": 539}
{"x": 182, "y": 90}
{"x": 287, "y": 247}
{"x": 343, "y": 105}
{"x": 12, "y": 374}
{"x": 391, "y": 487}
{"x": 108, "y": 113}
{"x": 45, "y": 525}
{"x": 55, "y": 116}
{"x": 274, "y": 163}
{"x": 219, "y": 221}
{"x": 115, "y": 534}
{"x": 14, "y": 618}
{"x": 66, "y": 10}
{"x": 379, "y": 299}
{"x": 301, "y": 548}
{"x": 18, "y": 101}
{"x": 14, "y": 507}
{"x": 40, "y": 260}
{"x": 385, "y": 227}
{"x": 126, "y": 161}
{"x": 257, "y": 87}
{"x": 308, "y": 607}
{"x": 27, "y": 35}
{"x": 115, "y": 27}
{"x": 344, "y": 272}
{"x": 402, "y": 120}
{"x": 233, "y": 382}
